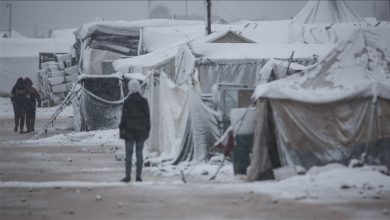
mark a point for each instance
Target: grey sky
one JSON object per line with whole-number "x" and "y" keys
{"x": 28, "y": 16}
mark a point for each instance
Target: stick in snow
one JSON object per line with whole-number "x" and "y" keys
{"x": 220, "y": 166}
{"x": 183, "y": 177}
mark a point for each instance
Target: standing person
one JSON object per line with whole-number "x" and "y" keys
{"x": 32, "y": 96}
{"x": 134, "y": 128}
{"x": 18, "y": 96}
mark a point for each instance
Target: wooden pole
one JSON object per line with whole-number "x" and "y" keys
{"x": 208, "y": 27}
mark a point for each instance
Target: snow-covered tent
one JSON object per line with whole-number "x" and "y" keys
{"x": 338, "y": 110}
{"x": 327, "y": 11}
{"x": 111, "y": 40}
{"x": 164, "y": 58}
{"x": 171, "y": 35}
{"x": 183, "y": 128}
{"x": 19, "y": 57}
{"x": 63, "y": 33}
{"x": 14, "y": 34}
{"x": 237, "y": 63}
{"x": 98, "y": 106}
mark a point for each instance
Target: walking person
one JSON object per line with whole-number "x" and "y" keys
{"x": 18, "y": 96}
{"x": 134, "y": 128}
{"x": 32, "y": 97}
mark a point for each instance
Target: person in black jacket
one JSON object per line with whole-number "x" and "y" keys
{"x": 18, "y": 96}
{"x": 134, "y": 128}
{"x": 32, "y": 96}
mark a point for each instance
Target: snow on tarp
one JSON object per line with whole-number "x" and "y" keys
{"x": 174, "y": 34}
{"x": 327, "y": 11}
{"x": 31, "y": 47}
{"x": 146, "y": 62}
{"x": 63, "y": 33}
{"x": 14, "y": 34}
{"x": 235, "y": 62}
{"x": 287, "y": 31}
{"x": 182, "y": 128}
{"x": 127, "y": 27}
{"x": 279, "y": 68}
{"x": 168, "y": 36}
{"x": 98, "y": 104}
{"x": 231, "y": 51}
{"x": 356, "y": 67}
{"x": 164, "y": 57}
{"x": 338, "y": 110}
{"x": 19, "y": 57}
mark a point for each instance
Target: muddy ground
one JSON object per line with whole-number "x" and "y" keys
{"x": 155, "y": 198}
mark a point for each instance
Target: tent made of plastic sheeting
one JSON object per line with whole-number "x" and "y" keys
{"x": 63, "y": 33}
{"x": 338, "y": 110}
{"x": 172, "y": 35}
{"x": 98, "y": 104}
{"x": 327, "y": 11}
{"x": 19, "y": 57}
{"x": 183, "y": 128}
{"x": 14, "y": 34}
{"x": 237, "y": 63}
{"x": 288, "y": 31}
{"x": 110, "y": 40}
{"x": 164, "y": 58}
{"x": 161, "y": 59}
{"x": 278, "y": 69}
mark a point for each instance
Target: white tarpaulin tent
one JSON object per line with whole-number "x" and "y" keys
{"x": 164, "y": 58}
{"x": 327, "y": 11}
{"x": 172, "y": 35}
{"x": 338, "y": 110}
{"x": 183, "y": 128}
{"x": 237, "y": 63}
{"x": 111, "y": 40}
{"x": 19, "y": 57}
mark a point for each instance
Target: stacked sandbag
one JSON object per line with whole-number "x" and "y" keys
{"x": 56, "y": 79}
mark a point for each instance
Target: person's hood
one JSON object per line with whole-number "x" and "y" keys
{"x": 133, "y": 87}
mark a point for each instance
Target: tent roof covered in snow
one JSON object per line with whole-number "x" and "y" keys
{"x": 338, "y": 110}
{"x": 356, "y": 67}
{"x": 31, "y": 47}
{"x": 232, "y": 51}
{"x": 14, "y": 34}
{"x": 237, "y": 62}
{"x": 63, "y": 33}
{"x": 162, "y": 55}
{"x": 127, "y": 27}
{"x": 174, "y": 34}
{"x": 152, "y": 59}
{"x": 327, "y": 11}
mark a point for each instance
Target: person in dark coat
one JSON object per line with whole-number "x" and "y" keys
{"x": 18, "y": 96}
{"x": 32, "y": 97}
{"x": 134, "y": 128}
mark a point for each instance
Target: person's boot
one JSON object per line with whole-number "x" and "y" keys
{"x": 15, "y": 129}
{"x": 138, "y": 179}
{"x": 126, "y": 179}
{"x": 32, "y": 125}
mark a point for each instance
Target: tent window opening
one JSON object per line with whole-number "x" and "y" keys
{"x": 125, "y": 45}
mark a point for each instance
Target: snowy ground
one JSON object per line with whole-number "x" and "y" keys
{"x": 70, "y": 175}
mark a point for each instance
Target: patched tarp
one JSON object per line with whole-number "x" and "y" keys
{"x": 337, "y": 110}
{"x": 296, "y": 133}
